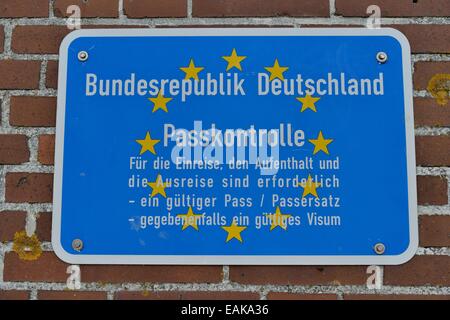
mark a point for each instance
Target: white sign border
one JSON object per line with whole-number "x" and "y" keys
{"x": 236, "y": 259}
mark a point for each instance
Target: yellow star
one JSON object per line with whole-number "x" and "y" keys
{"x": 190, "y": 219}
{"x": 158, "y": 187}
{"x": 234, "y": 231}
{"x": 308, "y": 102}
{"x": 148, "y": 144}
{"x": 160, "y": 102}
{"x": 320, "y": 144}
{"x": 234, "y": 60}
{"x": 276, "y": 71}
{"x": 278, "y": 219}
{"x": 191, "y": 71}
{"x": 309, "y": 187}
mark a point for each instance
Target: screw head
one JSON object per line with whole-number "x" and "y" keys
{"x": 382, "y": 57}
{"x": 379, "y": 248}
{"x": 77, "y": 245}
{"x": 83, "y": 56}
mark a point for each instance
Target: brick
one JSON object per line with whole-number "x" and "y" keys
{"x": 19, "y": 74}
{"x": 334, "y": 26}
{"x": 420, "y": 271}
{"x": 397, "y": 8}
{"x": 14, "y": 295}
{"x": 395, "y": 297}
{"x": 51, "y": 80}
{"x": 155, "y": 8}
{"x": 89, "y": 9}
{"x": 47, "y": 268}
{"x": 2, "y": 39}
{"x": 186, "y": 295}
{"x": 71, "y": 295}
{"x": 44, "y": 226}
{"x": 432, "y": 190}
{"x": 115, "y": 26}
{"x": 287, "y": 25}
{"x": 24, "y": 8}
{"x": 31, "y": 111}
{"x": 434, "y": 231}
{"x": 260, "y": 8}
{"x": 14, "y": 149}
{"x": 46, "y": 151}
{"x": 302, "y": 275}
{"x": 425, "y": 70}
{"x": 433, "y": 151}
{"x": 29, "y": 187}
{"x": 38, "y": 39}
{"x": 300, "y": 296}
{"x": 426, "y": 38}
{"x": 158, "y": 274}
{"x": 10, "y": 223}
{"x": 427, "y": 112}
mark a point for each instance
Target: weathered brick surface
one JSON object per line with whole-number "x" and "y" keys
{"x": 14, "y": 149}
{"x": 71, "y": 295}
{"x": 10, "y": 223}
{"x": 46, "y": 152}
{"x": 19, "y": 74}
{"x": 433, "y": 151}
{"x": 47, "y": 268}
{"x": 299, "y": 296}
{"x": 30, "y": 111}
{"x": 426, "y": 38}
{"x": 420, "y": 271}
{"x": 304, "y": 275}
{"x": 175, "y": 274}
{"x": 155, "y": 8}
{"x": 287, "y": 25}
{"x": 427, "y": 112}
{"x": 186, "y": 295}
{"x": 23, "y": 8}
{"x": 2, "y": 38}
{"x": 115, "y": 26}
{"x": 97, "y": 8}
{"x": 51, "y": 81}
{"x": 434, "y": 231}
{"x": 425, "y": 70}
{"x": 260, "y": 8}
{"x": 14, "y": 295}
{"x": 29, "y": 187}
{"x": 432, "y": 190}
{"x": 38, "y": 39}
{"x": 44, "y": 226}
{"x": 397, "y": 8}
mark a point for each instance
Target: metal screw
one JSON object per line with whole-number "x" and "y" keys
{"x": 77, "y": 245}
{"x": 382, "y": 57}
{"x": 379, "y": 248}
{"x": 83, "y": 56}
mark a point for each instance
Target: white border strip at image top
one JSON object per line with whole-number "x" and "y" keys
{"x": 235, "y": 259}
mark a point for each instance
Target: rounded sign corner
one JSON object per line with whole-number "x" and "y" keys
{"x": 68, "y": 39}
{"x": 61, "y": 253}
{"x": 406, "y": 255}
{"x": 400, "y": 37}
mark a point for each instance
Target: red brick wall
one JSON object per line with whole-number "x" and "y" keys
{"x": 30, "y": 34}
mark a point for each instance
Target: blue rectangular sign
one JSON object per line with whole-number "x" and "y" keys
{"x": 235, "y": 146}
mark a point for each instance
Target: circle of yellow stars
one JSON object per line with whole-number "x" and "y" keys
{"x": 277, "y": 219}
